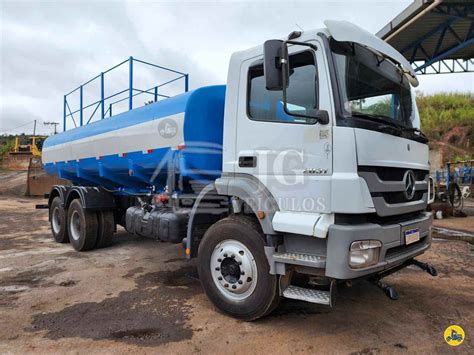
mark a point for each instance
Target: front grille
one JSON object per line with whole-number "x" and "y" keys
{"x": 387, "y": 188}
{"x": 396, "y": 219}
{"x": 393, "y": 174}
{"x": 398, "y": 197}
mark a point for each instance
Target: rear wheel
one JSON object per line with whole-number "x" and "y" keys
{"x": 106, "y": 227}
{"x": 234, "y": 270}
{"x": 57, "y": 217}
{"x": 82, "y": 227}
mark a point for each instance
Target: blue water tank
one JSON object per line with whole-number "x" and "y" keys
{"x": 132, "y": 150}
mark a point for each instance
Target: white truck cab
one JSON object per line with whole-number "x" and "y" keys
{"x": 322, "y": 142}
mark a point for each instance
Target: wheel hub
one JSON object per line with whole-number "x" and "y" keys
{"x": 56, "y": 220}
{"x": 234, "y": 269}
{"x": 230, "y": 270}
{"x": 75, "y": 225}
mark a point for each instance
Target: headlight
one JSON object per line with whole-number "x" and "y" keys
{"x": 364, "y": 253}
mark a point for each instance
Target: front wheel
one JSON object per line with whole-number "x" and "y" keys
{"x": 234, "y": 270}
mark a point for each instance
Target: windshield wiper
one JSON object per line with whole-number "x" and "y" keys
{"x": 392, "y": 127}
{"x": 375, "y": 118}
{"x": 415, "y": 130}
{"x": 398, "y": 131}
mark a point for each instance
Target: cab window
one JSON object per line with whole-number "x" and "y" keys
{"x": 265, "y": 105}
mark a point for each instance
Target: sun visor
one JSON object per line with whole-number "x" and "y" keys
{"x": 344, "y": 31}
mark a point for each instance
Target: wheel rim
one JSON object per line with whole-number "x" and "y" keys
{"x": 234, "y": 270}
{"x": 75, "y": 225}
{"x": 55, "y": 218}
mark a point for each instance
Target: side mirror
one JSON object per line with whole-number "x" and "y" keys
{"x": 272, "y": 68}
{"x": 276, "y": 68}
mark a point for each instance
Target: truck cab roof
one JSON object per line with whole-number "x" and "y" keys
{"x": 344, "y": 31}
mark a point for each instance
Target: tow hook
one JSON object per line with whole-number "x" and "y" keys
{"x": 389, "y": 291}
{"x": 430, "y": 269}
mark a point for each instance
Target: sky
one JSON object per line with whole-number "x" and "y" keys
{"x": 48, "y": 48}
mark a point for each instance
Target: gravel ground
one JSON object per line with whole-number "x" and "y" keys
{"x": 143, "y": 296}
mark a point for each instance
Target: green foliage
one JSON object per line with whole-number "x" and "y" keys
{"x": 382, "y": 108}
{"x": 441, "y": 112}
{"x": 6, "y": 145}
{"x": 460, "y": 157}
{"x": 7, "y": 141}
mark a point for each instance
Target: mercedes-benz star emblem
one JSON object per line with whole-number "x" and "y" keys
{"x": 409, "y": 181}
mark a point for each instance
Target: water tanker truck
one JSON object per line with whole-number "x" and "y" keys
{"x": 306, "y": 171}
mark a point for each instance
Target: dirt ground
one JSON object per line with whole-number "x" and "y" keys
{"x": 465, "y": 224}
{"x": 143, "y": 296}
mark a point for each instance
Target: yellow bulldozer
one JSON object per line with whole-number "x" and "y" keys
{"x": 28, "y": 156}
{"x": 34, "y": 146}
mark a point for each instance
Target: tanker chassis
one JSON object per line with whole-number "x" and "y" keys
{"x": 306, "y": 171}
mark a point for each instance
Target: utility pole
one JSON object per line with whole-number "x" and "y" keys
{"x": 54, "y": 124}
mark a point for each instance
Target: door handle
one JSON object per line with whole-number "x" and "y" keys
{"x": 247, "y": 162}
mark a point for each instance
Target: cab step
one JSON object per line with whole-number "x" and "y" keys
{"x": 308, "y": 295}
{"x": 310, "y": 260}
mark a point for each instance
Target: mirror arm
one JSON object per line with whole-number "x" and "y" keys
{"x": 284, "y": 62}
{"x": 310, "y": 45}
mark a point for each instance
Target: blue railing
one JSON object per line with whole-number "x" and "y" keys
{"x": 132, "y": 92}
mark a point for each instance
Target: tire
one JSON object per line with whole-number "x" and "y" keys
{"x": 57, "y": 217}
{"x": 106, "y": 227}
{"x": 82, "y": 227}
{"x": 225, "y": 244}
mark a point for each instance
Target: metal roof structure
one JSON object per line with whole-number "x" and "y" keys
{"x": 435, "y": 36}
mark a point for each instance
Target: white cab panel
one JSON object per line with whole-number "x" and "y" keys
{"x": 294, "y": 161}
{"x": 297, "y": 223}
{"x": 313, "y": 224}
{"x": 350, "y": 193}
{"x": 380, "y": 149}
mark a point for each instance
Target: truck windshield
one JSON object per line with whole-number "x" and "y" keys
{"x": 370, "y": 87}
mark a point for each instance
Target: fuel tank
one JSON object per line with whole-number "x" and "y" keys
{"x": 134, "y": 150}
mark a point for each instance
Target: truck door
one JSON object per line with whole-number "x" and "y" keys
{"x": 291, "y": 156}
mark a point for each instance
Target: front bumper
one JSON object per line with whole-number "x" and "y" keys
{"x": 393, "y": 252}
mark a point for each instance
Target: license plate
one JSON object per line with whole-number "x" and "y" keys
{"x": 412, "y": 236}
